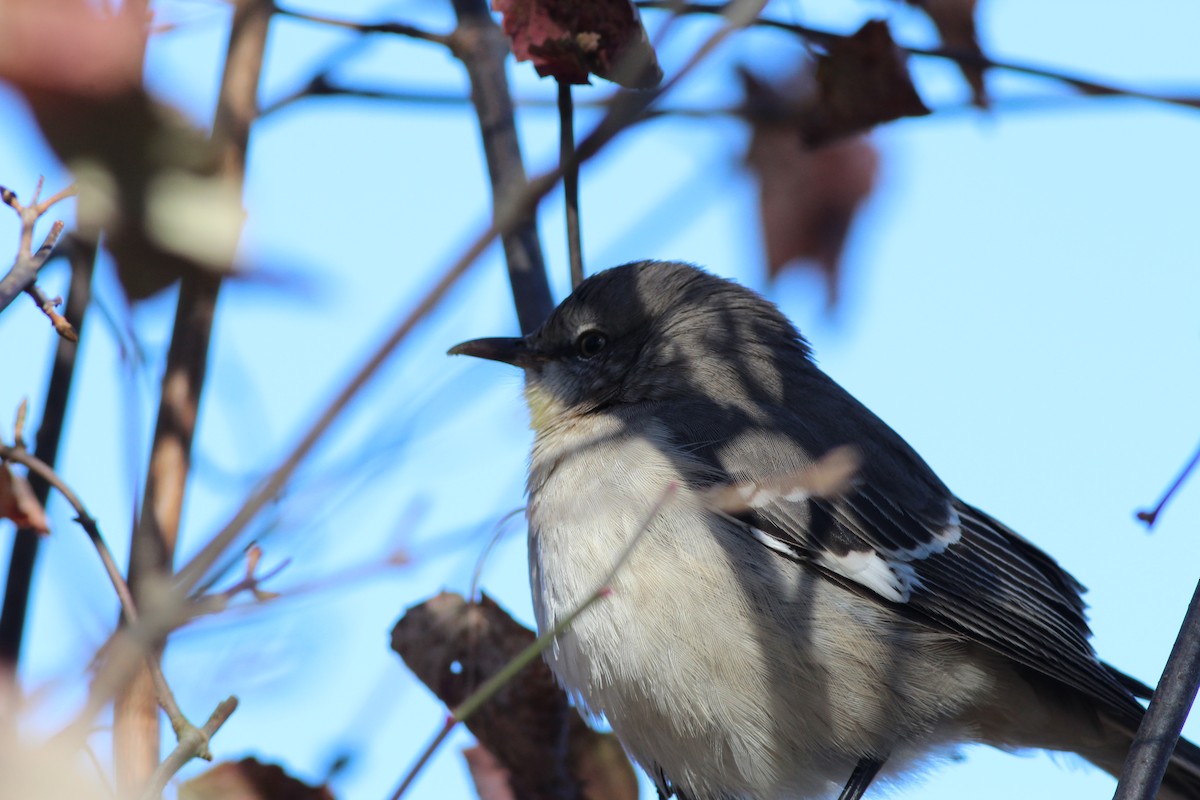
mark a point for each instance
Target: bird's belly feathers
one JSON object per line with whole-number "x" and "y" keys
{"x": 735, "y": 672}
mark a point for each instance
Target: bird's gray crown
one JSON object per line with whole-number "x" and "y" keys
{"x": 654, "y": 330}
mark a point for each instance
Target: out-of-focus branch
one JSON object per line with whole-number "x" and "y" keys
{"x": 136, "y": 729}
{"x": 22, "y": 276}
{"x": 397, "y": 28}
{"x": 54, "y": 409}
{"x": 1147, "y": 760}
{"x": 193, "y": 744}
{"x": 483, "y": 49}
{"x": 46, "y": 474}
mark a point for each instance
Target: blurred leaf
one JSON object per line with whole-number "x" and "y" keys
{"x": 808, "y": 197}
{"x": 861, "y": 81}
{"x": 18, "y": 502}
{"x": 548, "y": 750}
{"x": 146, "y": 175}
{"x": 955, "y": 21}
{"x": 569, "y": 40}
{"x": 249, "y": 779}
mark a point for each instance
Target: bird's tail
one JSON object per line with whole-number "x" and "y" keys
{"x": 1182, "y": 781}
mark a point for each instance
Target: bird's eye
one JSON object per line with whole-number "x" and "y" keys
{"x": 590, "y": 343}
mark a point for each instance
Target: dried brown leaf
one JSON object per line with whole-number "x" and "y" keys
{"x": 569, "y": 40}
{"x": 453, "y": 646}
{"x": 249, "y": 779}
{"x": 861, "y": 81}
{"x": 145, "y": 174}
{"x": 955, "y": 21}
{"x": 18, "y": 502}
{"x": 808, "y": 198}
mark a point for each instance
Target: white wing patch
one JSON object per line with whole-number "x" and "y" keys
{"x": 888, "y": 578}
{"x": 949, "y": 534}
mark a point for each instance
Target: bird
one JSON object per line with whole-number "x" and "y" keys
{"x": 803, "y": 642}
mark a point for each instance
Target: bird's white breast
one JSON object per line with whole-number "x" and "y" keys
{"x": 736, "y": 671}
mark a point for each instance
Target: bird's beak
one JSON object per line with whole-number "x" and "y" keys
{"x": 511, "y": 351}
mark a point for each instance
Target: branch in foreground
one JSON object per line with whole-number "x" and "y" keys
{"x": 1146, "y": 762}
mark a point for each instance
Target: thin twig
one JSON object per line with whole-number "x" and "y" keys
{"x": 1150, "y": 753}
{"x": 49, "y": 306}
{"x": 166, "y": 698}
{"x": 193, "y": 744}
{"x": 570, "y": 167}
{"x": 44, "y": 471}
{"x": 1150, "y": 517}
{"x": 397, "y": 28}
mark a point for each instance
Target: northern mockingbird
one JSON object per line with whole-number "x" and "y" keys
{"x": 773, "y": 652}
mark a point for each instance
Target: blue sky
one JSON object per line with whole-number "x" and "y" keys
{"x": 1020, "y": 303}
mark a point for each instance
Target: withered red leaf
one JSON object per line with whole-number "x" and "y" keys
{"x": 18, "y": 502}
{"x": 569, "y": 40}
{"x": 549, "y": 752}
{"x": 249, "y": 779}
{"x": 861, "y": 81}
{"x": 955, "y": 21}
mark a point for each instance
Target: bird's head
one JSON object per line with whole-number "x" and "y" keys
{"x": 644, "y": 332}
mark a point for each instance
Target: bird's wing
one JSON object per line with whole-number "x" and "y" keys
{"x": 952, "y": 565}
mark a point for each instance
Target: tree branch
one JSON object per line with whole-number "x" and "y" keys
{"x": 482, "y": 48}
{"x": 396, "y": 28}
{"x": 135, "y": 726}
